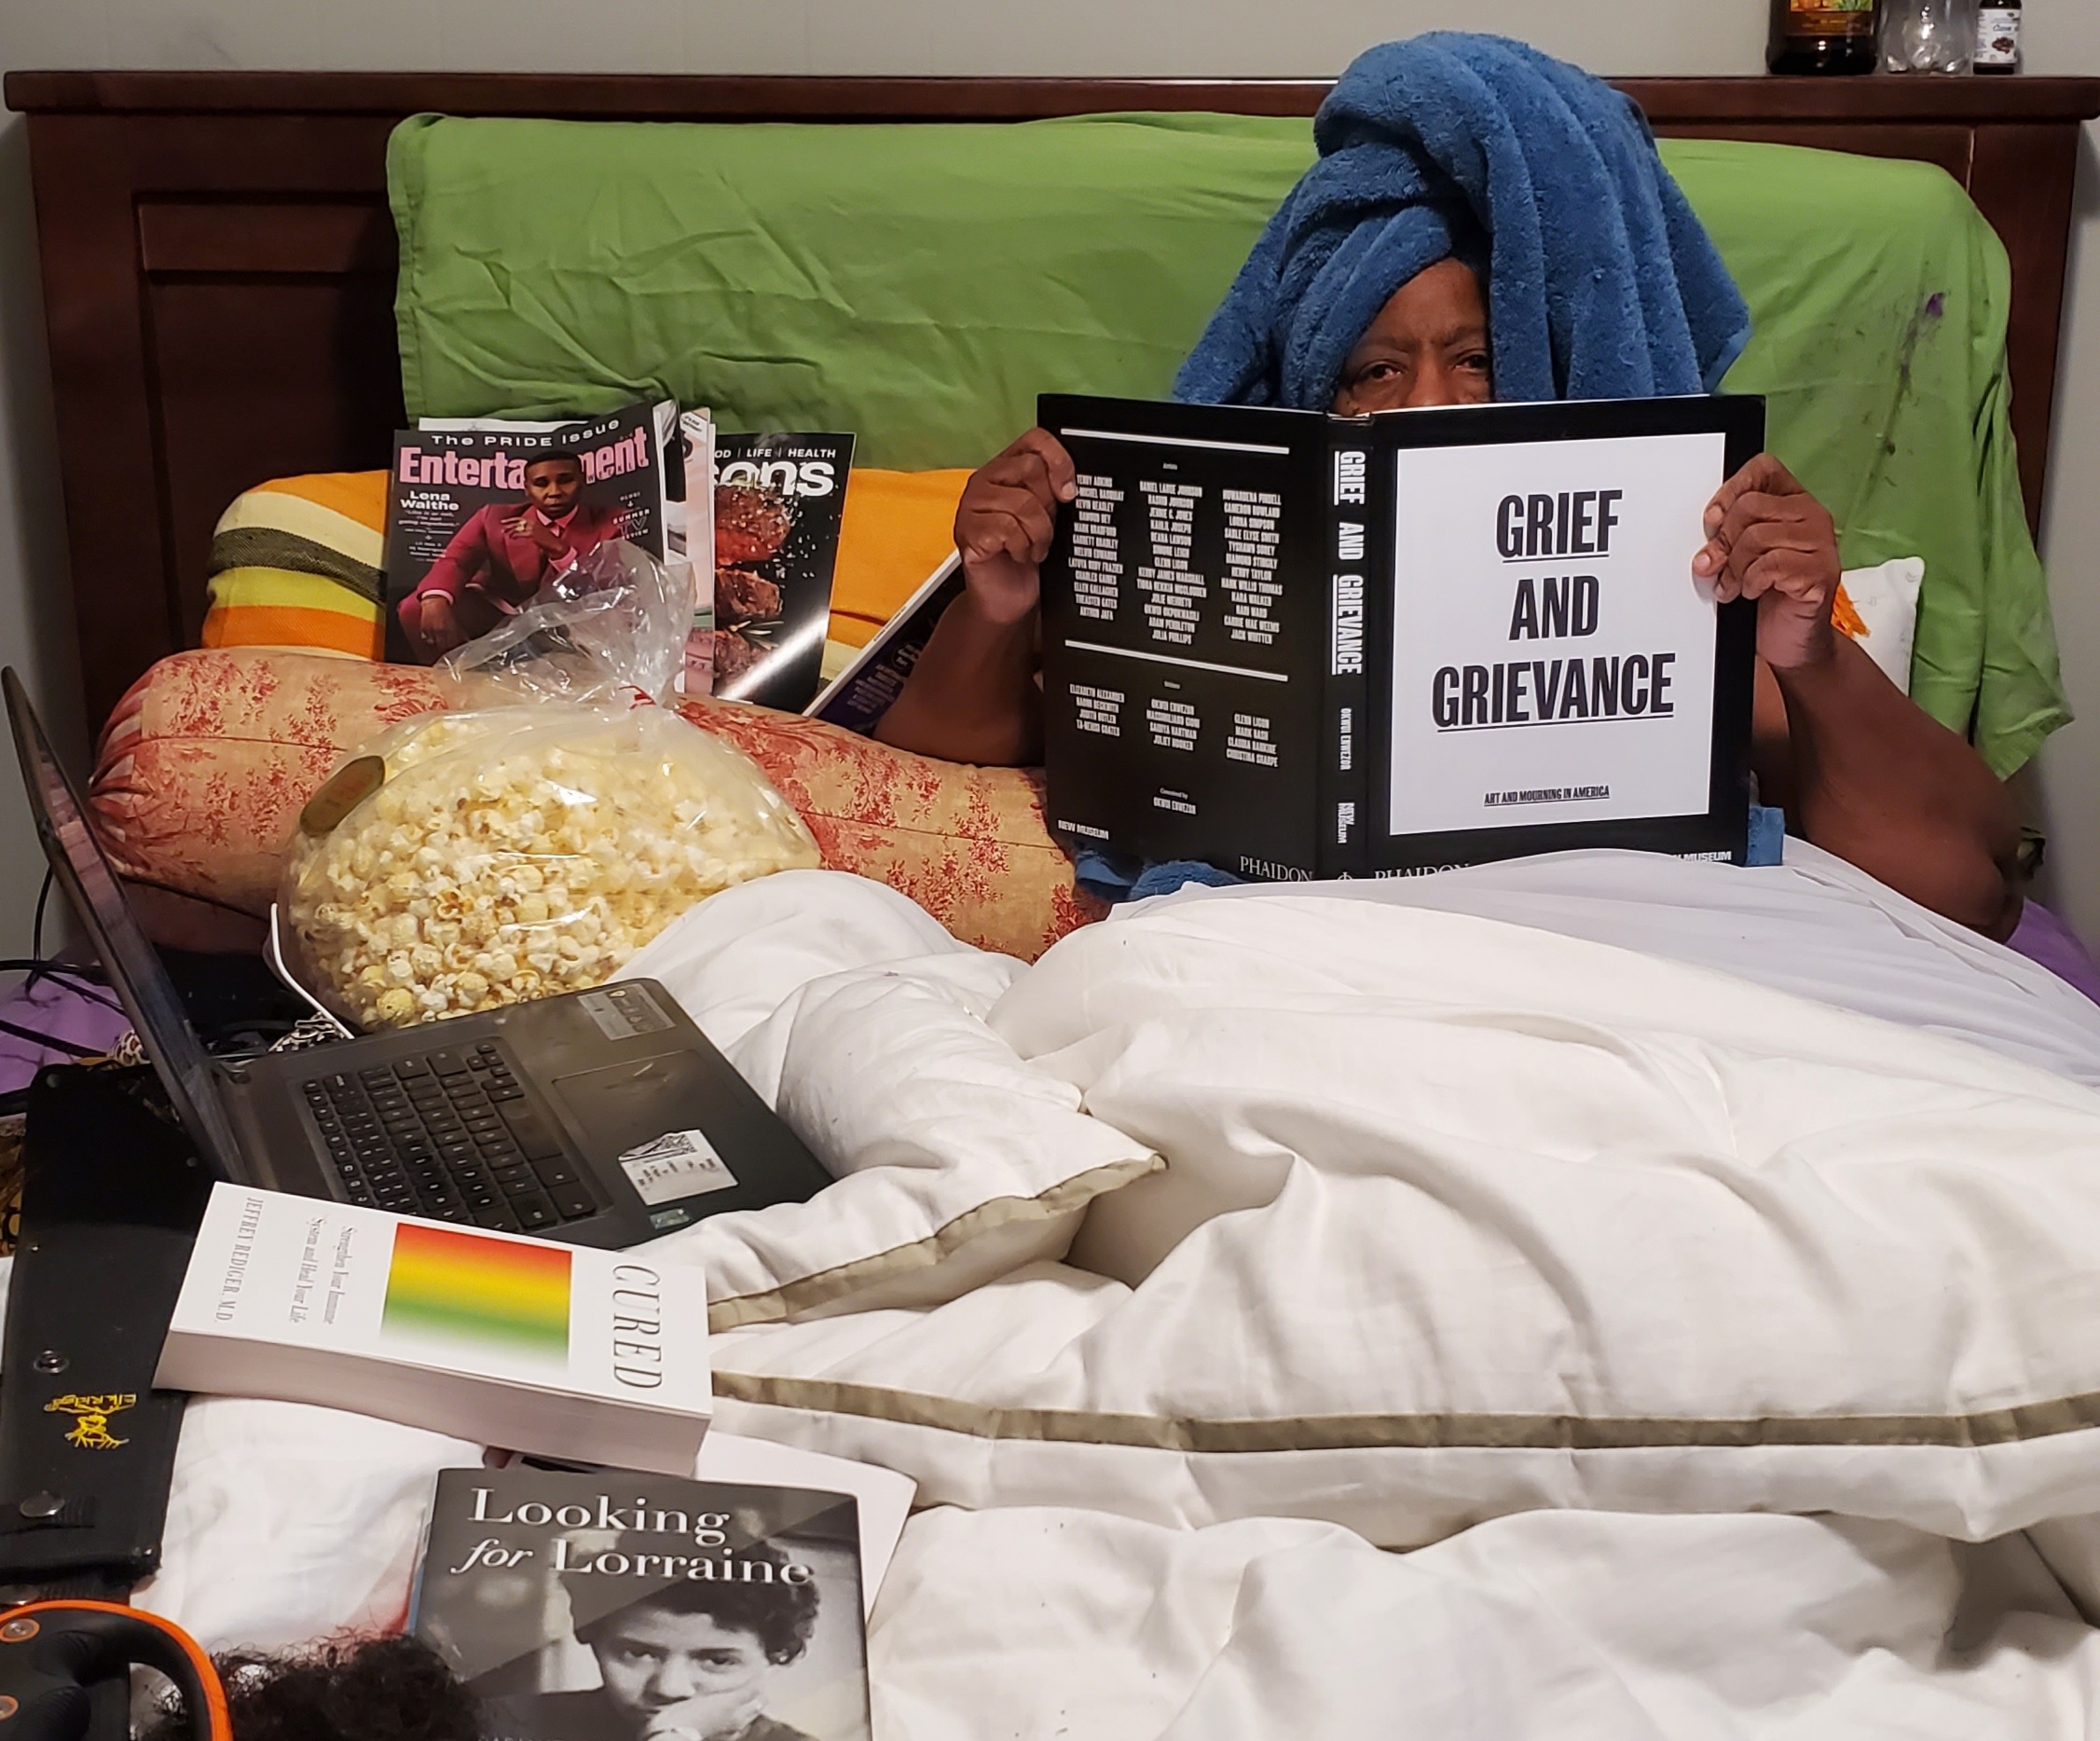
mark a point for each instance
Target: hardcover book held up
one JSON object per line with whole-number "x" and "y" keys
{"x": 598, "y": 1606}
{"x": 560, "y": 1350}
{"x": 1296, "y": 645}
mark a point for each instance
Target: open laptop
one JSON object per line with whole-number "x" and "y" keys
{"x": 599, "y": 1118}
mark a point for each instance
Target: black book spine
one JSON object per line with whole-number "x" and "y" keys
{"x": 1346, "y": 727}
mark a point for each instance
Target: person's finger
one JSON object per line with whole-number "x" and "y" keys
{"x": 1796, "y": 520}
{"x": 1062, "y": 473}
{"x": 1725, "y": 501}
{"x": 1763, "y": 475}
{"x": 1783, "y": 573}
{"x": 1024, "y": 505}
{"x": 1767, "y": 558}
{"x": 991, "y": 536}
{"x": 1748, "y": 544}
{"x": 1752, "y": 582}
{"x": 1008, "y": 499}
{"x": 1037, "y": 514}
{"x": 1047, "y": 472}
{"x": 1752, "y": 477}
{"x": 1732, "y": 547}
{"x": 1023, "y": 470}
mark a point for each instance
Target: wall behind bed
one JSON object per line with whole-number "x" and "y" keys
{"x": 2067, "y": 778}
{"x": 1103, "y": 38}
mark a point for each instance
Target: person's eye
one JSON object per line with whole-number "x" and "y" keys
{"x": 1372, "y": 373}
{"x": 1475, "y": 361}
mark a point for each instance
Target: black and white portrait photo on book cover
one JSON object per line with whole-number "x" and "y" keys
{"x": 734, "y": 1617}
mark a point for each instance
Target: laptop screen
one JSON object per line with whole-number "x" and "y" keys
{"x": 141, "y": 981}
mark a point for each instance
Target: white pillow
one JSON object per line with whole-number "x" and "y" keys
{"x": 955, "y": 1160}
{"x": 1462, "y": 1218}
{"x": 1885, "y": 599}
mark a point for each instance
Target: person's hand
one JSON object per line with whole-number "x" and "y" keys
{"x": 532, "y": 527}
{"x": 707, "y": 1716}
{"x": 1006, "y": 519}
{"x": 1768, "y": 538}
{"x": 437, "y": 626}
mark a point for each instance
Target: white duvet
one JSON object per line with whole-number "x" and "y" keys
{"x": 1604, "y": 1296}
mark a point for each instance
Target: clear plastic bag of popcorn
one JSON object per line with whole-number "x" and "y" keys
{"x": 488, "y": 857}
{"x": 608, "y": 628}
{"x": 530, "y": 840}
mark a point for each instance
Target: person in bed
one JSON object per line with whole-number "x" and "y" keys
{"x": 503, "y": 555}
{"x": 1384, "y": 282}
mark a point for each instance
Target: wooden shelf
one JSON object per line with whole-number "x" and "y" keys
{"x": 666, "y": 96}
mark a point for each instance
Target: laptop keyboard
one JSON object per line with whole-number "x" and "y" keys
{"x": 449, "y": 1136}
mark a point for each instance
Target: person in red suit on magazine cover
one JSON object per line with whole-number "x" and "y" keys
{"x": 503, "y": 555}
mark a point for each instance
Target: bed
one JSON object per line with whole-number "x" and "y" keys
{"x": 1344, "y": 1310}
{"x": 1599, "y": 1295}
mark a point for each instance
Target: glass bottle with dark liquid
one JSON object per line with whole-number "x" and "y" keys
{"x": 1822, "y": 36}
{"x": 1997, "y": 36}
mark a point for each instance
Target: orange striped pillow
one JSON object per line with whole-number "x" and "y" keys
{"x": 296, "y": 562}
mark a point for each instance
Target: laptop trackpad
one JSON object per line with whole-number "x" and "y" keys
{"x": 626, "y": 1106}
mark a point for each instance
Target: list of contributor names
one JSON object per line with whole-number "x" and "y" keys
{"x": 1173, "y": 592}
{"x": 1251, "y": 554}
{"x": 1173, "y": 589}
{"x": 1097, "y": 553}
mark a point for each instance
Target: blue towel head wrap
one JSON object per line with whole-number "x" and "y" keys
{"x": 1601, "y": 282}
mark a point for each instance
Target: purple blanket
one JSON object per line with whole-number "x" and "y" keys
{"x": 64, "y": 1012}
{"x": 2046, "y": 939}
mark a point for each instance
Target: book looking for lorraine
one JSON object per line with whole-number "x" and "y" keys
{"x": 555, "y": 1350}
{"x": 598, "y": 1606}
{"x": 1295, "y": 645}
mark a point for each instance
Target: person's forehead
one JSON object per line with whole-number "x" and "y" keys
{"x": 1439, "y": 307}
{"x": 663, "y": 1626}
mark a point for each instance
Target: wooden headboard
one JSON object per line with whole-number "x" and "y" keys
{"x": 218, "y": 260}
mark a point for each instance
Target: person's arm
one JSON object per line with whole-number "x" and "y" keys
{"x": 464, "y": 557}
{"x": 429, "y": 614}
{"x": 973, "y": 695}
{"x": 1861, "y": 769}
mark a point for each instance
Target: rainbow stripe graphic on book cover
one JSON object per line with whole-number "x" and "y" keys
{"x": 478, "y": 1289}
